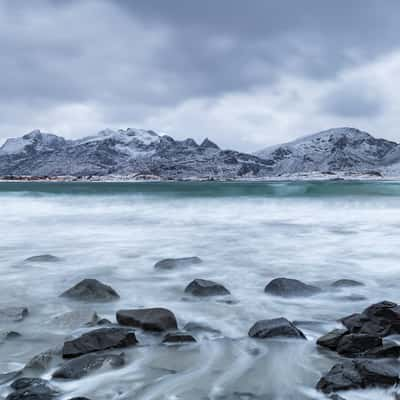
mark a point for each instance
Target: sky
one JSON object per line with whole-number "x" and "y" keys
{"x": 244, "y": 74}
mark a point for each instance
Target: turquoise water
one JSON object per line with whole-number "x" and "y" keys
{"x": 246, "y": 234}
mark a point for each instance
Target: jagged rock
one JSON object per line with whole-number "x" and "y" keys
{"x": 331, "y": 339}
{"x": 346, "y": 283}
{"x": 81, "y": 366}
{"x": 150, "y": 319}
{"x": 277, "y": 327}
{"x": 91, "y": 290}
{"x": 43, "y": 258}
{"x": 32, "y": 389}
{"x": 388, "y": 349}
{"x": 99, "y": 339}
{"x": 172, "y": 263}
{"x": 286, "y": 287}
{"x": 203, "y": 287}
{"x": 358, "y": 374}
{"x": 15, "y": 314}
{"x": 178, "y": 337}
{"x": 355, "y": 344}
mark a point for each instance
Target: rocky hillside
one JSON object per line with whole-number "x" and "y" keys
{"x": 124, "y": 152}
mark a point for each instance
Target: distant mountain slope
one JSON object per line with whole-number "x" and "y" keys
{"x": 123, "y": 152}
{"x": 340, "y": 149}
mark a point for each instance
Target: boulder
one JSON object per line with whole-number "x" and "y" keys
{"x": 178, "y": 337}
{"x": 340, "y": 283}
{"x": 388, "y": 349}
{"x": 14, "y": 314}
{"x": 43, "y": 258}
{"x": 355, "y": 344}
{"x": 358, "y": 374}
{"x": 277, "y": 327}
{"x": 286, "y": 287}
{"x": 331, "y": 339}
{"x": 91, "y": 290}
{"x": 81, "y": 366}
{"x": 32, "y": 389}
{"x": 203, "y": 287}
{"x": 149, "y": 319}
{"x": 172, "y": 263}
{"x": 97, "y": 340}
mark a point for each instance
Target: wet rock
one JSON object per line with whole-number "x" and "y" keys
{"x": 43, "y": 258}
{"x": 150, "y": 319}
{"x": 32, "y": 389}
{"x": 354, "y": 297}
{"x": 14, "y": 314}
{"x": 286, "y": 287}
{"x": 81, "y": 366}
{"x": 97, "y": 340}
{"x": 9, "y": 376}
{"x": 331, "y": 339}
{"x": 42, "y": 361}
{"x": 277, "y": 327}
{"x": 335, "y": 396}
{"x": 346, "y": 283}
{"x": 358, "y": 374}
{"x": 91, "y": 290}
{"x": 388, "y": 349}
{"x": 203, "y": 287}
{"x": 76, "y": 318}
{"x": 199, "y": 327}
{"x": 172, "y": 263}
{"x": 9, "y": 335}
{"x": 355, "y": 344}
{"x": 178, "y": 337}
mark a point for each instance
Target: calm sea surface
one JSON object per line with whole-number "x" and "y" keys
{"x": 246, "y": 234}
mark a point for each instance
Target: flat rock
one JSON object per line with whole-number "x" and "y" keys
{"x": 81, "y": 366}
{"x": 355, "y": 344}
{"x": 172, "y": 263}
{"x": 150, "y": 319}
{"x": 91, "y": 290}
{"x": 203, "y": 287}
{"x": 358, "y": 374}
{"x": 32, "y": 389}
{"x": 331, "y": 339}
{"x": 14, "y": 314}
{"x": 178, "y": 337}
{"x": 43, "y": 258}
{"x": 286, "y": 287}
{"x": 346, "y": 283}
{"x": 277, "y": 327}
{"x": 97, "y": 340}
{"x": 388, "y": 349}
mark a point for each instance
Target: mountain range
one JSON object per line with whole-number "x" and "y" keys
{"x": 145, "y": 152}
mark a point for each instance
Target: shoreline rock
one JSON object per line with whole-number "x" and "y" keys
{"x": 276, "y": 327}
{"x": 172, "y": 263}
{"x": 204, "y": 288}
{"x": 91, "y": 290}
{"x": 286, "y": 287}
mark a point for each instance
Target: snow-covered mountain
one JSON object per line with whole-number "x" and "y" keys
{"x": 340, "y": 149}
{"x": 124, "y": 152}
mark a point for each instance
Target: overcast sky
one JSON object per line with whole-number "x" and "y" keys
{"x": 244, "y": 74}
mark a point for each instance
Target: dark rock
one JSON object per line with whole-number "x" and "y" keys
{"x": 277, "y": 327}
{"x": 9, "y": 376}
{"x": 10, "y": 335}
{"x": 15, "y": 314}
{"x": 355, "y": 344}
{"x": 346, "y": 283}
{"x": 358, "y": 374}
{"x": 331, "y": 339}
{"x": 388, "y": 349}
{"x": 199, "y": 327}
{"x": 203, "y": 287}
{"x": 172, "y": 263}
{"x": 32, "y": 389}
{"x": 81, "y": 366}
{"x": 91, "y": 290}
{"x": 354, "y": 297}
{"x": 178, "y": 337}
{"x": 42, "y": 361}
{"x": 79, "y": 398}
{"x": 335, "y": 396}
{"x": 43, "y": 258}
{"x": 99, "y": 339}
{"x": 286, "y": 287}
{"x": 150, "y": 319}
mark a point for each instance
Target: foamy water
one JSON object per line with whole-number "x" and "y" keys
{"x": 246, "y": 234}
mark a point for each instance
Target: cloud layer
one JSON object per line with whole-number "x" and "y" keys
{"x": 245, "y": 75}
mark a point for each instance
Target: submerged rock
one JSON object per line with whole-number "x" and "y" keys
{"x": 14, "y": 314}
{"x": 200, "y": 327}
{"x": 331, "y": 339}
{"x": 277, "y": 327}
{"x": 42, "y": 361}
{"x": 91, "y": 290}
{"x": 81, "y": 366}
{"x": 358, "y": 374}
{"x": 172, "y": 263}
{"x": 178, "y": 337}
{"x": 346, "y": 283}
{"x": 203, "y": 287}
{"x": 9, "y": 335}
{"x": 99, "y": 339}
{"x": 150, "y": 319}
{"x": 32, "y": 389}
{"x": 286, "y": 287}
{"x": 43, "y": 258}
